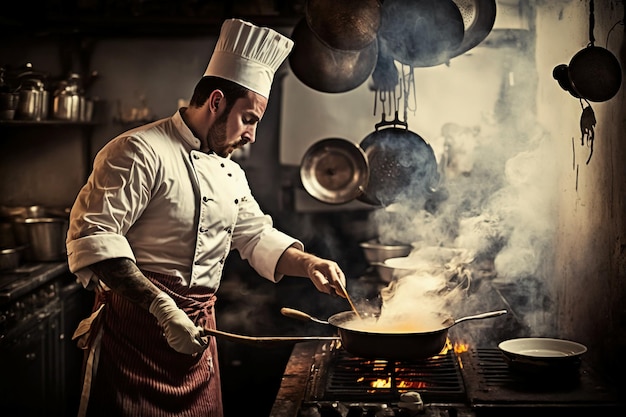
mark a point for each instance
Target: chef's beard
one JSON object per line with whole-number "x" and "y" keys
{"x": 216, "y": 138}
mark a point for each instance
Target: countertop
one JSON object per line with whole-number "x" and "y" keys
{"x": 294, "y": 381}
{"x": 17, "y": 282}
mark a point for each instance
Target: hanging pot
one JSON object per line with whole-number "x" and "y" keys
{"x": 594, "y": 74}
{"x": 326, "y": 69}
{"x": 348, "y": 25}
{"x": 402, "y": 165}
{"x": 421, "y": 33}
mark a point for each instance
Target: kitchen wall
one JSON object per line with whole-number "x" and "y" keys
{"x": 585, "y": 208}
{"x": 589, "y": 263}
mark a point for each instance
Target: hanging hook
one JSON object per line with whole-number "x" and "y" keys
{"x": 592, "y": 23}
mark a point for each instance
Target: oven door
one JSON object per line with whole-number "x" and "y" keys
{"x": 32, "y": 365}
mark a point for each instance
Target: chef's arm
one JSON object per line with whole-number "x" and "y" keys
{"x": 123, "y": 277}
{"x": 326, "y": 275}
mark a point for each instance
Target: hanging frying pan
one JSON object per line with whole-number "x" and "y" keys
{"x": 421, "y": 33}
{"x": 478, "y": 17}
{"x": 402, "y": 165}
{"x": 326, "y": 69}
{"x": 349, "y": 25}
{"x": 334, "y": 171}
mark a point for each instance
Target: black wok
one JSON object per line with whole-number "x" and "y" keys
{"x": 391, "y": 345}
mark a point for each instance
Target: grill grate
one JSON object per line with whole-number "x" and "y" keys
{"x": 490, "y": 382}
{"x": 437, "y": 379}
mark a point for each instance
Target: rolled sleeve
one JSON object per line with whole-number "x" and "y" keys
{"x": 88, "y": 250}
{"x": 269, "y": 250}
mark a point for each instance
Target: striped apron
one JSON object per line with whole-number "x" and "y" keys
{"x": 130, "y": 370}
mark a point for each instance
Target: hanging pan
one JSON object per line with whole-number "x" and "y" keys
{"x": 349, "y": 25}
{"x": 594, "y": 74}
{"x": 402, "y": 165}
{"x": 478, "y": 17}
{"x": 327, "y": 69}
{"x": 334, "y": 171}
{"x": 421, "y": 33}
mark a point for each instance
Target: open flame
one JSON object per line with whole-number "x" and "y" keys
{"x": 386, "y": 383}
{"x": 383, "y": 383}
{"x": 456, "y": 347}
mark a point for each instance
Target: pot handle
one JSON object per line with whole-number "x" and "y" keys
{"x": 481, "y": 316}
{"x": 300, "y": 315}
{"x": 393, "y": 122}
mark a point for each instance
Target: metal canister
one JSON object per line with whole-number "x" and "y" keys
{"x": 31, "y": 99}
{"x": 67, "y": 100}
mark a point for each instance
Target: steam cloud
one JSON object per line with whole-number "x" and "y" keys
{"x": 498, "y": 206}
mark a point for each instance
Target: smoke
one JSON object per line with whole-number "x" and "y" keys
{"x": 498, "y": 206}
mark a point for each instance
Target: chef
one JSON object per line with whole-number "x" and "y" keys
{"x": 152, "y": 228}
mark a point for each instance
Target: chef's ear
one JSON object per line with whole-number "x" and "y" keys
{"x": 215, "y": 98}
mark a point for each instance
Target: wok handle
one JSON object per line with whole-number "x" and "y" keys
{"x": 300, "y": 315}
{"x": 482, "y": 316}
{"x": 263, "y": 340}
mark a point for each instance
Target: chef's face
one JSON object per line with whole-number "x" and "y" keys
{"x": 235, "y": 128}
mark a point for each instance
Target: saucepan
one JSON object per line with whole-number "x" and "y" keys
{"x": 360, "y": 336}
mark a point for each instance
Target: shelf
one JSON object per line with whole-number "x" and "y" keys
{"x": 101, "y": 18}
{"x": 45, "y": 123}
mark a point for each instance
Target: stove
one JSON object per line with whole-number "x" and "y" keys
{"x": 322, "y": 379}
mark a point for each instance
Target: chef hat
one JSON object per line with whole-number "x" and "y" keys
{"x": 248, "y": 55}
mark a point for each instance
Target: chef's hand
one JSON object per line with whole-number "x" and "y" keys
{"x": 324, "y": 274}
{"x": 181, "y": 333}
{"x": 327, "y": 276}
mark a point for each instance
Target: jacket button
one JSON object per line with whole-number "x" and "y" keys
{"x": 236, "y": 201}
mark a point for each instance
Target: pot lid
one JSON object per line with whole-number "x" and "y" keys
{"x": 334, "y": 170}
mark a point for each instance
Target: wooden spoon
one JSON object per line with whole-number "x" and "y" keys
{"x": 345, "y": 292}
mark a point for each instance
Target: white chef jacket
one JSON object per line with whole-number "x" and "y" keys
{"x": 153, "y": 197}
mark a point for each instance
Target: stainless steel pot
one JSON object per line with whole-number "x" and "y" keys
{"x": 45, "y": 236}
{"x": 11, "y": 258}
{"x": 379, "y": 252}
